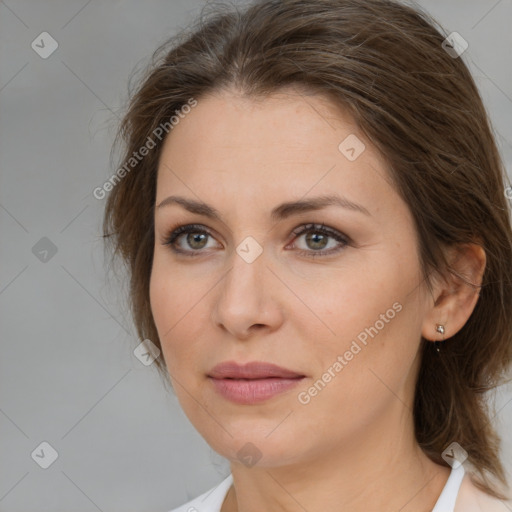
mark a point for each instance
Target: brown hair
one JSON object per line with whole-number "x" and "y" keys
{"x": 419, "y": 106}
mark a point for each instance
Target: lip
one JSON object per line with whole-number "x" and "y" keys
{"x": 252, "y": 391}
{"x": 251, "y": 370}
{"x": 253, "y": 382}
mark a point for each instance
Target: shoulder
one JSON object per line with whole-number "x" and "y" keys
{"x": 209, "y": 501}
{"x": 472, "y": 499}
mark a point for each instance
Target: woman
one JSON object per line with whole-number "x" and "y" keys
{"x": 319, "y": 243}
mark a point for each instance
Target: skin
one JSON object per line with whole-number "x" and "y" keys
{"x": 352, "y": 447}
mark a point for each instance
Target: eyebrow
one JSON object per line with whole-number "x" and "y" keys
{"x": 280, "y": 212}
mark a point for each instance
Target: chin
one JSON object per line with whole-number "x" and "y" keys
{"x": 254, "y": 447}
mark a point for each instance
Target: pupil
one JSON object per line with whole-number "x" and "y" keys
{"x": 195, "y": 238}
{"x": 316, "y": 236}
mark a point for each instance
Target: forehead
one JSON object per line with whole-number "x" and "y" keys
{"x": 280, "y": 146}
{"x": 291, "y": 119}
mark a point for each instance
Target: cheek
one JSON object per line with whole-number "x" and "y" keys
{"x": 172, "y": 292}
{"x": 178, "y": 300}
{"x": 346, "y": 301}
{"x": 365, "y": 332}
{"x": 166, "y": 307}
{"x": 355, "y": 382}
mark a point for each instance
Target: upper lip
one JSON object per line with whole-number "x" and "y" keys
{"x": 251, "y": 370}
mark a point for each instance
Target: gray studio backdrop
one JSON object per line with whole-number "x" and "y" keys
{"x": 74, "y": 398}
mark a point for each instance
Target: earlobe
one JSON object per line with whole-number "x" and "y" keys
{"x": 456, "y": 297}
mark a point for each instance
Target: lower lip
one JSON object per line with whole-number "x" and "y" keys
{"x": 253, "y": 391}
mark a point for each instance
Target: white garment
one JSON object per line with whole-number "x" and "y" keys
{"x": 450, "y": 499}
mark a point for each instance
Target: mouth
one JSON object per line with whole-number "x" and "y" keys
{"x": 252, "y": 391}
{"x": 253, "y": 382}
{"x": 254, "y": 370}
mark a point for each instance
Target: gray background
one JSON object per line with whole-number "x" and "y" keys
{"x": 68, "y": 375}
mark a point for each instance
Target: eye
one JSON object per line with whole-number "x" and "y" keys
{"x": 317, "y": 237}
{"x": 196, "y": 239}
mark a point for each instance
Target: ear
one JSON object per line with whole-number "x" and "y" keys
{"x": 454, "y": 299}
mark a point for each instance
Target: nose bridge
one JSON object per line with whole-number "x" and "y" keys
{"x": 245, "y": 299}
{"x": 243, "y": 281}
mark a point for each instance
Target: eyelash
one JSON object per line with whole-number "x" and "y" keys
{"x": 172, "y": 236}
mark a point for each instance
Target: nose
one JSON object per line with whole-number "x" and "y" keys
{"x": 248, "y": 298}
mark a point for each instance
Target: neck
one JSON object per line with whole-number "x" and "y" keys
{"x": 359, "y": 475}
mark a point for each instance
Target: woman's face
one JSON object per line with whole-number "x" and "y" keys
{"x": 342, "y": 305}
